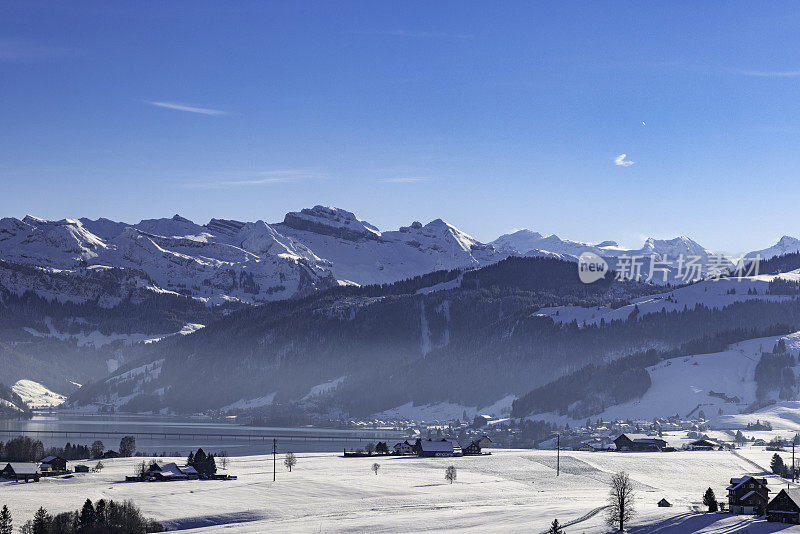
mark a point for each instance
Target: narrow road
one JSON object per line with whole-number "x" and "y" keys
{"x": 581, "y": 519}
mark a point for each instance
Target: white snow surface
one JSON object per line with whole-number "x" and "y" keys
{"x": 508, "y": 491}
{"x": 35, "y": 395}
{"x": 96, "y": 338}
{"x": 323, "y": 388}
{"x": 684, "y": 386}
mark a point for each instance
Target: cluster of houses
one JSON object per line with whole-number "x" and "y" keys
{"x": 33, "y": 471}
{"x": 750, "y": 495}
{"x": 443, "y": 447}
{"x": 172, "y": 471}
{"x": 633, "y": 442}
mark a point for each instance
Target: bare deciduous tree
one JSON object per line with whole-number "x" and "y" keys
{"x": 290, "y": 461}
{"x": 450, "y": 474}
{"x": 222, "y": 459}
{"x": 620, "y": 500}
{"x": 375, "y": 467}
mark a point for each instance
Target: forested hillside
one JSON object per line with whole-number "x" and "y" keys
{"x": 470, "y": 342}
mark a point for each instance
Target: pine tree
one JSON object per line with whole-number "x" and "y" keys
{"x": 710, "y": 500}
{"x": 776, "y": 465}
{"x": 88, "y": 516}
{"x": 6, "y": 525}
{"x": 555, "y": 528}
{"x": 41, "y": 522}
{"x": 200, "y": 461}
{"x": 190, "y": 459}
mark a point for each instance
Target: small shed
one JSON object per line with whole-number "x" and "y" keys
{"x": 80, "y": 468}
{"x": 664, "y": 503}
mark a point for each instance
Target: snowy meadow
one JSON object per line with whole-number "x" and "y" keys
{"x": 507, "y": 491}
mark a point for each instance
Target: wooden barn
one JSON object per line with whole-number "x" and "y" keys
{"x": 785, "y": 507}
{"x": 22, "y": 471}
{"x": 438, "y": 448}
{"x": 639, "y": 443}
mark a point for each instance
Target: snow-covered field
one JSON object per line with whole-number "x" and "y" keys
{"x": 509, "y": 491}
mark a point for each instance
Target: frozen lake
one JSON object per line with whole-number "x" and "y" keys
{"x": 165, "y": 434}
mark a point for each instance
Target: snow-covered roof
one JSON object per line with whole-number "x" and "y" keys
{"x": 188, "y": 470}
{"x": 747, "y": 495}
{"x": 443, "y": 445}
{"x": 172, "y": 470}
{"x": 736, "y": 482}
{"x": 24, "y": 468}
{"x": 49, "y": 459}
{"x": 794, "y": 494}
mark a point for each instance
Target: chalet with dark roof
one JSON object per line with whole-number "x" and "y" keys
{"x": 785, "y": 507}
{"x": 53, "y": 463}
{"x": 474, "y": 448}
{"x": 747, "y": 495}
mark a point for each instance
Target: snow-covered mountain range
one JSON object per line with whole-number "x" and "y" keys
{"x": 252, "y": 262}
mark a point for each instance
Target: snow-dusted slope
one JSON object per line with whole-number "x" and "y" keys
{"x": 36, "y": 395}
{"x": 711, "y": 293}
{"x": 785, "y": 245}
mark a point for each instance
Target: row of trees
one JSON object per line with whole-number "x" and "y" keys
{"x": 101, "y": 518}
{"x": 203, "y": 463}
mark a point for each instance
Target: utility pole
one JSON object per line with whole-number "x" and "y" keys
{"x": 274, "y": 456}
{"x": 558, "y": 455}
{"x": 793, "y": 459}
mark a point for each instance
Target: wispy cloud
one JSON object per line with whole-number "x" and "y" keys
{"x": 404, "y": 180}
{"x": 407, "y": 33}
{"x": 186, "y": 107}
{"x": 620, "y": 161}
{"x": 771, "y": 74}
{"x": 27, "y": 51}
{"x": 250, "y": 179}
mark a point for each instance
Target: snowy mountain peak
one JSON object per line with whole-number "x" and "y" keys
{"x": 518, "y": 242}
{"x": 785, "y": 245}
{"x": 677, "y": 246}
{"x": 173, "y": 227}
{"x": 224, "y": 227}
{"x": 331, "y": 221}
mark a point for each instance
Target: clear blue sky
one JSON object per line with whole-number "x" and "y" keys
{"x": 492, "y": 116}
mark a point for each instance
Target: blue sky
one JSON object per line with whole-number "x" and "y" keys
{"x": 492, "y": 116}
